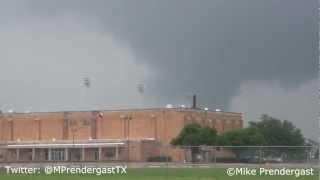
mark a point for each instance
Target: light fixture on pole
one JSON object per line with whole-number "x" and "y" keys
{"x": 141, "y": 89}
{"x": 87, "y": 85}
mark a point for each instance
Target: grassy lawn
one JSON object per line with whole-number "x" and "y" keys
{"x": 157, "y": 174}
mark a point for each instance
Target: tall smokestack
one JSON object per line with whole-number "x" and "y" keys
{"x": 194, "y": 101}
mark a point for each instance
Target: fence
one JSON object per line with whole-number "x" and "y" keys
{"x": 250, "y": 154}
{"x": 153, "y": 153}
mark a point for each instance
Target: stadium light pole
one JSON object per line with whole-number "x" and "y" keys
{"x": 87, "y": 85}
{"x": 140, "y": 89}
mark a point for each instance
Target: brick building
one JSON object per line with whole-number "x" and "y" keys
{"x": 118, "y": 135}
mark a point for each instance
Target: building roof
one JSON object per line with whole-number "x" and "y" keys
{"x": 126, "y": 110}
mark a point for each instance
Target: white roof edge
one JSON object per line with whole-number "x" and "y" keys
{"x": 63, "y": 145}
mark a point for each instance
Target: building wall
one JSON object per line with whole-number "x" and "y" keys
{"x": 161, "y": 124}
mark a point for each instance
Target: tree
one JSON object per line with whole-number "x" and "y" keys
{"x": 277, "y": 132}
{"x": 240, "y": 138}
{"x": 194, "y": 135}
{"x": 267, "y": 132}
{"x": 280, "y": 133}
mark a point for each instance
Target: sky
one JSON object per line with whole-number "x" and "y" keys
{"x": 250, "y": 56}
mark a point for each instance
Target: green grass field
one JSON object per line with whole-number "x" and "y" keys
{"x": 157, "y": 174}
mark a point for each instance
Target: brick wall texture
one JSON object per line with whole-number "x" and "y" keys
{"x": 160, "y": 124}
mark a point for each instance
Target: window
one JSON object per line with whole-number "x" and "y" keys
{"x": 110, "y": 152}
{"x": 57, "y": 154}
{"x": 96, "y": 155}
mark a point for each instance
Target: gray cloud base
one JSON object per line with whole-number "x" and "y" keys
{"x": 208, "y": 47}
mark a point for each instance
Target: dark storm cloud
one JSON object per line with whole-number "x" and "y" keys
{"x": 209, "y": 47}
{"x": 250, "y": 56}
{"x": 299, "y": 105}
